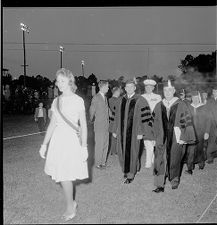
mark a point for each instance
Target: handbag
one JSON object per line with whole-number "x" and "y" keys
{"x": 76, "y": 128}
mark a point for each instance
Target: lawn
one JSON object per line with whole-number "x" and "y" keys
{"x": 31, "y": 197}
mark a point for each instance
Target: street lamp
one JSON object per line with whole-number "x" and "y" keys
{"x": 82, "y": 67}
{"x": 24, "y": 28}
{"x": 61, "y": 56}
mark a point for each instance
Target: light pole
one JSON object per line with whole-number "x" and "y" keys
{"x": 148, "y": 63}
{"x": 61, "y": 56}
{"x": 24, "y": 28}
{"x": 82, "y": 67}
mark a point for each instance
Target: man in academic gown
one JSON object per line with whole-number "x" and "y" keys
{"x": 212, "y": 126}
{"x": 195, "y": 152}
{"x": 173, "y": 129}
{"x": 126, "y": 130}
{"x": 113, "y": 105}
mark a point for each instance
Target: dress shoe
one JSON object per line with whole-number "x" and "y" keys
{"x": 210, "y": 161}
{"x": 188, "y": 172}
{"x": 174, "y": 187}
{"x": 158, "y": 190}
{"x": 100, "y": 167}
{"x": 71, "y": 216}
{"x": 201, "y": 165}
{"x": 128, "y": 181}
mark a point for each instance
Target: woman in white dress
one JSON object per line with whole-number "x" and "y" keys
{"x": 66, "y": 158}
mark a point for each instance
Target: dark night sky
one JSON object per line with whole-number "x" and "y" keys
{"x": 113, "y": 41}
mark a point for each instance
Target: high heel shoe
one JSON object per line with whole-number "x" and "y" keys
{"x": 71, "y": 216}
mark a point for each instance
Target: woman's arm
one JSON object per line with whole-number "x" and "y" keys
{"x": 50, "y": 129}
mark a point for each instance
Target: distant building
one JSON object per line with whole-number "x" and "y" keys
{"x": 50, "y": 92}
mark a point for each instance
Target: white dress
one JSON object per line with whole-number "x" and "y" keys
{"x": 63, "y": 160}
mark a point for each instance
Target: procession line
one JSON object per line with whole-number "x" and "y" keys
{"x": 206, "y": 209}
{"x": 19, "y": 136}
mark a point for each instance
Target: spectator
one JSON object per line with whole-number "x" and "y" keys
{"x": 40, "y": 116}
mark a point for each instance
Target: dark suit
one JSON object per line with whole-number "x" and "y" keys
{"x": 99, "y": 109}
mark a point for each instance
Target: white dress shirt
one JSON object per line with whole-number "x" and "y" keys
{"x": 40, "y": 112}
{"x": 152, "y": 99}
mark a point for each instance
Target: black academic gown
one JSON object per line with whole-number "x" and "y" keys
{"x": 199, "y": 118}
{"x": 113, "y": 105}
{"x": 126, "y": 130}
{"x": 179, "y": 116}
{"x": 211, "y": 106}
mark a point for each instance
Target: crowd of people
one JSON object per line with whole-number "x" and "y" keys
{"x": 172, "y": 131}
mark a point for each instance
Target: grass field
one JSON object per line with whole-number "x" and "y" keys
{"x": 31, "y": 197}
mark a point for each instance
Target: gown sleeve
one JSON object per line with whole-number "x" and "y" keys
{"x": 144, "y": 119}
{"x": 185, "y": 124}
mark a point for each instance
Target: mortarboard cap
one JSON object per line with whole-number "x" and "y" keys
{"x": 168, "y": 84}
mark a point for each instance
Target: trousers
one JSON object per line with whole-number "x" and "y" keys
{"x": 41, "y": 124}
{"x": 149, "y": 147}
{"x": 101, "y": 147}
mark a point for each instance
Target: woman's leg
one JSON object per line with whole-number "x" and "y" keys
{"x": 68, "y": 193}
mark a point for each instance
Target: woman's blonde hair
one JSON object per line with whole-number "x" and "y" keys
{"x": 67, "y": 73}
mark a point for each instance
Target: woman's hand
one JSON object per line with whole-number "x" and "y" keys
{"x": 42, "y": 151}
{"x": 84, "y": 154}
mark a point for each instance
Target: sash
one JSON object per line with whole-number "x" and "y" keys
{"x": 76, "y": 128}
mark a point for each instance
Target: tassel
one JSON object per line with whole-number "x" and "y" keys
{"x": 200, "y": 100}
{"x": 135, "y": 81}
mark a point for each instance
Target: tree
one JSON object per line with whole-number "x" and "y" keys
{"x": 92, "y": 79}
{"x": 158, "y": 79}
{"x": 171, "y": 77}
{"x": 202, "y": 63}
{"x": 6, "y": 79}
{"x": 186, "y": 63}
{"x": 82, "y": 84}
{"x": 198, "y": 72}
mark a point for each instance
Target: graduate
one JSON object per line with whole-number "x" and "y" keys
{"x": 173, "y": 129}
{"x": 195, "y": 152}
{"x": 127, "y": 131}
{"x": 113, "y": 105}
{"x": 212, "y": 126}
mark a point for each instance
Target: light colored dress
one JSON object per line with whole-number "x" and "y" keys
{"x": 63, "y": 160}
